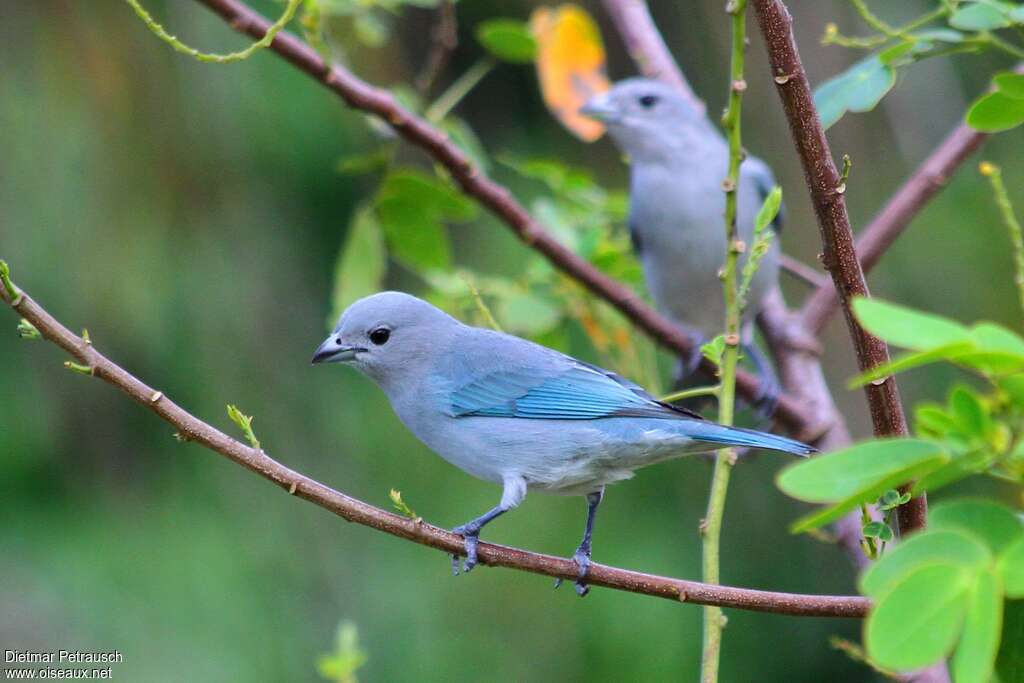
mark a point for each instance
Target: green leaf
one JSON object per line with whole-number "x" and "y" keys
{"x": 920, "y": 550}
{"x": 997, "y": 525}
{"x": 1011, "y": 569}
{"x": 995, "y": 112}
{"x": 933, "y": 419}
{"x": 413, "y": 238}
{"x": 918, "y": 621}
{"x": 975, "y": 656}
{"x": 961, "y": 466}
{"x": 879, "y": 530}
{"x": 714, "y": 349}
{"x": 360, "y": 266}
{"x": 1009, "y": 83}
{"x": 508, "y": 39}
{"x": 769, "y": 209}
{"x": 244, "y": 423}
{"x": 909, "y": 361}
{"x": 528, "y": 314}
{"x": 971, "y": 416}
{"x": 858, "y": 89}
{"x": 943, "y": 35}
{"x": 431, "y": 195}
{"x": 980, "y": 16}
{"x": 412, "y": 208}
{"x": 861, "y": 474}
{"x": 372, "y": 29}
{"x": 902, "y": 326}
{"x": 1010, "y": 662}
{"x": 835, "y": 476}
{"x": 1014, "y": 388}
{"x": 891, "y": 55}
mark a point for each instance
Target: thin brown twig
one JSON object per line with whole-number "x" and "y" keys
{"x": 444, "y": 40}
{"x": 191, "y": 428}
{"x": 493, "y": 196}
{"x": 827, "y": 196}
{"x": 803, "y": 272}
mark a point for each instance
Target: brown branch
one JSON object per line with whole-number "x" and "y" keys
{"x": 803, "y": 272}
{"x": 495, "y": 197}
{"x": 840, "y": 258}
{"x": 191, "y": 428}
{"x": 645, "y": 45}
{"x": 926, "y": 182}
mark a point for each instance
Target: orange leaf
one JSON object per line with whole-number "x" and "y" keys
{"x": 570, "y": 65}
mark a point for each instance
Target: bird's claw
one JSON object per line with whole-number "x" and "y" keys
{"x": 471, "y": 538}
{"x": 582, "y": 560}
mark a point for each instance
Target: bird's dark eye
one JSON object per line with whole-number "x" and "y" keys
{"x": 648, "y": 101}
{"x": 380, "y": 336}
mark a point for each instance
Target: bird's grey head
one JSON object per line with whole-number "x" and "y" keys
{"x": 387, "y": 336}
{"x": 646, "y": 118}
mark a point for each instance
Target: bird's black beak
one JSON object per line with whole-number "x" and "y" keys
{"x": 333, "y": 351}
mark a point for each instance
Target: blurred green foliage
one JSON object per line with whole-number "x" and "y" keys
{"x": 191, "y": 216}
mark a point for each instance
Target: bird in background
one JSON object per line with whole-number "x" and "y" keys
{"x": 512, "y": 412}
{"x": 678, "y": 160}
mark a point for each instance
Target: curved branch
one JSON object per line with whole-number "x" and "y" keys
{"x": 191, "y": 428}
{"x": 494, "y": 197}
{"x": 840, "y": 257}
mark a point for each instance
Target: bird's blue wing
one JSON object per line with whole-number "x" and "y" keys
{"x": 581, "y": 392}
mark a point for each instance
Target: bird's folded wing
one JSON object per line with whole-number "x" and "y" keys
{"x": 580, "y": 392}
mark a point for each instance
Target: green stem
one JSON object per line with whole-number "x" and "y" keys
{"x": 866, "y": 542}
{"x": 173, "y": 41}
{"x": 888, "y": 32}
{"x": 995, "y": 178}
{"x": 690, "y": 393}
{"x": 1000, "y": 44}
{"x": 447, "y": 100}
{"x": 714, "y": 620}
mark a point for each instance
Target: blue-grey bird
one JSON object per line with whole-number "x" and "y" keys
{"x": 515, "y": 413}
{"x": 678, "y": 162}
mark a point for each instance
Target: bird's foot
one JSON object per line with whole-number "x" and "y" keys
{"x": 471, "y": 538}
{"x": 582, "y": 560}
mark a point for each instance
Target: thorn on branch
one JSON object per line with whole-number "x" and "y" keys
{"x": 155, "y": 398}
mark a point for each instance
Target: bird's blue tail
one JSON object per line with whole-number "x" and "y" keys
{"x": 737, "y": 436}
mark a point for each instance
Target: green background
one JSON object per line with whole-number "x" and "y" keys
{"x": 190, "y": 215}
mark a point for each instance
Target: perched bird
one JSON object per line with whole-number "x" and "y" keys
{"x": 678, "y": 161}
{"x": 513, "y": 412}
